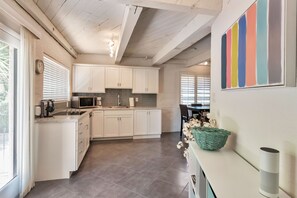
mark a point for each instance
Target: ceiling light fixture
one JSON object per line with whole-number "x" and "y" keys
{"x": 111, "y": 48}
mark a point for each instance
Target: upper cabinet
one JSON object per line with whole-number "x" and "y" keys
{"x": 118, "y": 78}
{"x": 88, "y": 79}
{"x": 145, "y": 81}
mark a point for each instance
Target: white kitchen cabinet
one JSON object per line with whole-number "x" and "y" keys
{"x": 88, "y": 79}
{"x": 154, "y": 122}
{"x": 147, "y": 122}
{"x": 140, "y": 122}
{"x": 61, "y": 146}
{"x": 145, "y": 81}
{"x": 118, "y": 78}
{"x": 97, "y": 124}
{"x": 118, "y": 123}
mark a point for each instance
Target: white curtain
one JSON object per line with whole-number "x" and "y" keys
{"x": 26, "y": 110}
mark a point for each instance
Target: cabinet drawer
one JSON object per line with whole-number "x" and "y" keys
{"x": 118, "y": 113}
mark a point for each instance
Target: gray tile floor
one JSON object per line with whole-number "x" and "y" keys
{"x": 124, "y": 169}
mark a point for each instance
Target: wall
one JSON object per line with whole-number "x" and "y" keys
{"x": 47, "y": 45}
{"x": 168, "y": 98}
{"x": 257, "y": 117}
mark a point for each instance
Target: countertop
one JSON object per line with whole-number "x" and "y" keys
{"x": 124, "y": 108}
{"x": 74, "y": 118}
{"x": 63, "y": 118}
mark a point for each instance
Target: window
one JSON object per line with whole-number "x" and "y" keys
{"x": 8, "y": 98}
{"x": 203, "y": 90}
{"x": 187, "y": 89}
{"x": 55, "y": 81}
{"x": 194, "y": 89}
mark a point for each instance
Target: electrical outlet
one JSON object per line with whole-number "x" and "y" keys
{"x": 136, "y": 99}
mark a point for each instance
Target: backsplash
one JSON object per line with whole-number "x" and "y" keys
{"x": 110, "y": 97}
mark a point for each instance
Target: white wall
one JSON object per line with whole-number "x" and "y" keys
{"x": 168, "y": 98}
{"x": 257, "y": 117}
{"x": 47, "y": 45}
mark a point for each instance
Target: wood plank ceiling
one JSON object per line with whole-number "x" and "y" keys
{"x": 88, "y": 25}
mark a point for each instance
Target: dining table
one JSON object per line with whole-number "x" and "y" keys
{"x": 198, "y": 109}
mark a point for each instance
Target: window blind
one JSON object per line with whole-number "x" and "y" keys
{"x": 187, "y": 88}
{"x": 55, "y": 81}
{"x": 203, "y": 90}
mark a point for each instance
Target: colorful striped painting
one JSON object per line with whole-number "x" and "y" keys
{"x": 252, "y": 48}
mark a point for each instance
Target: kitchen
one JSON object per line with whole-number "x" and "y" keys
{"x": 124, "y": 60}
{"x": 100, "y": 70}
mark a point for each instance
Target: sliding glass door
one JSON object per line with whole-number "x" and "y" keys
{"x": 9, "y": 184}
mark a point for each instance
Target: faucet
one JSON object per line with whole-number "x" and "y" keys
{"x": 119, "y": 103}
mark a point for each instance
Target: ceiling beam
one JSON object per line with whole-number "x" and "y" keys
{"x": 130, "y": 19}
{"x": 208, "y": 7}
{"x": 195, "y": 30}
{"x": 44, "y": 22}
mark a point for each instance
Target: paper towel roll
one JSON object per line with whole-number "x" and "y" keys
{"x": 131, "y": 102}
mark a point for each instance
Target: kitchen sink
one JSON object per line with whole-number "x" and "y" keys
{"x": 69, "y": 113}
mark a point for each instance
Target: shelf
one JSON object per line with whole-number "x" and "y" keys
{"x": 228, "y": 173}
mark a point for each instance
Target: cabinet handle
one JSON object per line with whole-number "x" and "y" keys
{"x": 80, "y": 123}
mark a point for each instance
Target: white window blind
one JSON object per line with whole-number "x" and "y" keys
{"x": 55, "y": 81}
{"x": 203, "y": 90}
{"x": 187, "y": 88}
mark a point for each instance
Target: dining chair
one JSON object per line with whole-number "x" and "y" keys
{"x": 184, "y": 114}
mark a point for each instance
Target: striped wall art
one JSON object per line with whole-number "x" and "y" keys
{"x": 253, "y": 47}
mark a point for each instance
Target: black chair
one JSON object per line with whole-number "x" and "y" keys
{"x": 184, "y": 117}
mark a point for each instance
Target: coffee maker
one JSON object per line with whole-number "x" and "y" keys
{"x": 99, "y": 101}
{"x": 47, "y": 107}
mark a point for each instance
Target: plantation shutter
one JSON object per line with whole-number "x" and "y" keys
{"x": 203, "y": 90}
{"x": 187, "y": 88}
{"x": 55, "y": 81}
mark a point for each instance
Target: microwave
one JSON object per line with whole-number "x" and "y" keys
{"x": 83, "y": 102}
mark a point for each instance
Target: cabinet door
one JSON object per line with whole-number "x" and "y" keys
{"x": 140, "y": 122}
{"x": 152, "y": 81}
{"x": 126, "y": 125}
{"x": 154, "y": 122}
{"x": 125, "y": 78}
{"x": 98, "y": 76}
{"x": 87, "y": 134}
{"x": 112, "y": 77}
{"x": 97, "y": 124}
{"x": 111, "y": 126}
{"x": 82, "y": 83}
{"x": 139, "y": 81}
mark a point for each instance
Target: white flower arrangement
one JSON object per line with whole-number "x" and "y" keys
{"x": 187, "y": 130}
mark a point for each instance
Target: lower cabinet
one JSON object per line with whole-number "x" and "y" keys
{"x": 126, "y": 123}
{"x": 60, "y": 147}
{"x": 97, "y": 124}
{"x": 118, "y": 123}
{"x": 147, "y": 122}
{"x": 198, "y": 186}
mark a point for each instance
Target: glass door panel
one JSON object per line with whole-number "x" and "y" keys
{"x": 8, "y": 143}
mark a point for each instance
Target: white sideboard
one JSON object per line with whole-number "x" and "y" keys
{"x": 222, "y": 174}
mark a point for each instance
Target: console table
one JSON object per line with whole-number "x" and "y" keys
{"x": 222, "y": 174}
